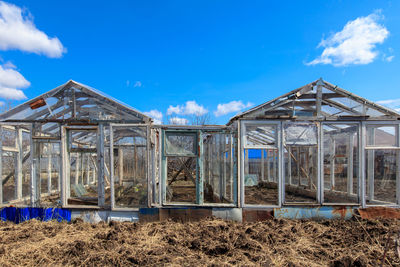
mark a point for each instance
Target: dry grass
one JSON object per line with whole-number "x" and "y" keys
{"x": 209, "y": 242}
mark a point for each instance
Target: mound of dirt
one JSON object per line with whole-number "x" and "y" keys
{"x": 209, "y": 242}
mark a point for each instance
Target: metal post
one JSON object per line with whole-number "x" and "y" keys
{"x": 281, "y": 166}
{"x": 77, "y": 166}
{"x": 1, "y": 165}
{"x": 332, "y": 161}
{"x": 350, "y": 159}
{"x": 262, "y": 164}
{"x": 290, "y": 164}
{"x": 49, "y": 151}
{"x": 362, "y": 188}
{"x": 120, "y": 165}
{"x": 371, "y": 165}
{"x": 199, "y": 170}
{"x": 112, "y": 187}
{"x": 164, "y": 171}
{"x": 101, "y": 165}
{"x": 18, "y": 167}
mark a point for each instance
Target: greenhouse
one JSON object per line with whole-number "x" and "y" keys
{"x": 76, "y": 148}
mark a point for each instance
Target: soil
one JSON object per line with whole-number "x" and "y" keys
{"x": 210, "y": 242}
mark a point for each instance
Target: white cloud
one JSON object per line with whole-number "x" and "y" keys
{"x": 355, "y": 44}
{"x": 389, "y": 58}
{"x": 233, "y": 106}
{"x": 156, "y": 115}
{"x": 391, "y": 103}
{"x": 17, "y": 31}
{"x": 138, "y": 84}
{"x": 178, "y": 121}
{"x": 189, "y": 108}
{"x": 11, "y": 83}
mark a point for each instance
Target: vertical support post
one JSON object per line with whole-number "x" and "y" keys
{"x": 199, "y": 170}
{"x": 320, "y": 163}
{"x": 398, "y": 165}
{"x": 289, "y": 164}
{"x": 231, "y": 165}
{"x": 362, "y": 188}
{"x": 298, "y": 166}
{"x": 33, "y": 169}
{"x": 88, "y": 169}
{"x": 350, "y": 165}
{"x": 65, "y": 167}
{"x": 281, "y": 165}
{"x": 246, "y": 161}
{"x": 135, "y": 161}
{"x": 332, "y": 161}
{"x": 224, "y": 152}
{"x": 120, "y": 165}
{"x": 276, "y": 164}
{"x": 147, "y": 167}
{"x": 100, "y": 166}
{"x": 262, "y": 164}
{"x": 371, "y": 165}
{"x": 241, "y": 165}
{"x": 49, "y": 151}
{"x": 18, "y": 166}
{"x": 221, "y": 167}
{"x": 77, "y": 167}
{"x": 164, "y": 171}
{"x": 269, "y": 164}
{"x": 112, "y": 187}
{"x": 1, "y": 164}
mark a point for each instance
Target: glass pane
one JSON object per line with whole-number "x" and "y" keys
{"x": 130, "y": 166}
{"x": 300, "y": 134}
{"x": 381, "y": 168}
{"x": 381, "y": 135}
{"x": 218, "y": 168}
{"x": 9, "y": 164}
{"x": 180, "y": 144}
{"x": 261, "y": 176}
{"x": 301, "y": 173}
{"x": 181, "y": 179}
{"x": 340, "y": 163}
{"x": 260, "y": 135}
{"x": 9, "y": 136}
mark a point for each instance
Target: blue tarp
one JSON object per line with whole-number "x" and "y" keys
{"x": 18, "y": 215}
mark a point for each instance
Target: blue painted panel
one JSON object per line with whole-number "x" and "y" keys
{"x": 326, "y": 212}
{"x": 18, "y": 215}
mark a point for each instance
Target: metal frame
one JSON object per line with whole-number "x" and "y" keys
{"x": 199, "y": 131}
{"x": 368, "y": 148}
{"x": 112, "y": 185}
{"x": 322, "y": 175}
{"x": 243, "y": 145}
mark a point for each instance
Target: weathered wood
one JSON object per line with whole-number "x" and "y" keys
{"x": 18, "y": 169}
{"x": 49, "y": 172}
{"x": 120, "y": 166}
{"x": 101, "y": 166}
{"x": 350, "y": 168}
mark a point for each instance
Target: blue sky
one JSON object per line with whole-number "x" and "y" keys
{"x": 187, "y": 57}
